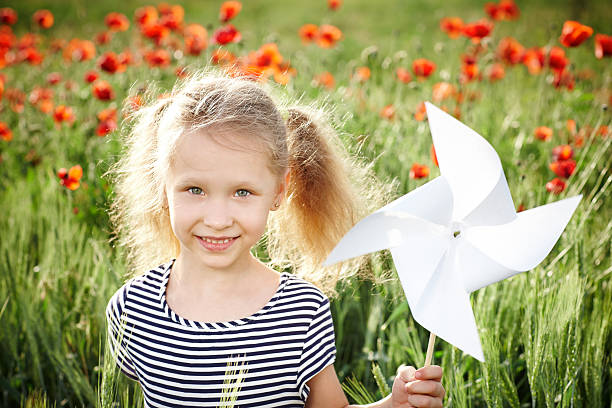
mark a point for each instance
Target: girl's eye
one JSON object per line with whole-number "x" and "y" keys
{"x": 242, "y": 193}
{"x": 198, "y": 190}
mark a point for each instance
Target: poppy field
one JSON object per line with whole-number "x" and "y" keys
{"x": 533, "y": 78}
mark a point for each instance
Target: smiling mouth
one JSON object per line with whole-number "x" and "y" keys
{"x": 217, "y": 240}
{"x": 217, "y": 243}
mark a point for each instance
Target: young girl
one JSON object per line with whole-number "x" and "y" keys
{"x": 202, "y": 171}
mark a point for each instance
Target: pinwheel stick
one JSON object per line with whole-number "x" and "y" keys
{"x": 430, "y": 348}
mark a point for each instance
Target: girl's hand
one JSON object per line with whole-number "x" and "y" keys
{"x": 417, "y": 388}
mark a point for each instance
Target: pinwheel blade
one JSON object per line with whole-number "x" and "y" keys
{"x": 413, "y": 217}
{"x": 439, "y": 303}
{"x": 473, "y": 170}
{"x": 523, "y": 243}
{"x": 382, "y": 230}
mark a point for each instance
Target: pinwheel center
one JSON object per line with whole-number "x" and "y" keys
{"x": 456, "y": 227}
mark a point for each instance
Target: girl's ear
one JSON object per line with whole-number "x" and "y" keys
{"x": 282, "y": 189}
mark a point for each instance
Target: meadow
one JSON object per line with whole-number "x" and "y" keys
{"x": 542, "y": 101}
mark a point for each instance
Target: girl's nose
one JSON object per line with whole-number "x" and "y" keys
{"x": 217, "y": 215}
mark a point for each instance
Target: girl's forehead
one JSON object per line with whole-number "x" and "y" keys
{"x": 230, "y": 138}
{"x": 202, "y": 152}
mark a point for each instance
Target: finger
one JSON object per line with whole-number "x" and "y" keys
{"x": 423, "y": 401}
{"x": 432, "y": 372}
{"x": 406, "y": 373}
{"x": 428, "y": 387}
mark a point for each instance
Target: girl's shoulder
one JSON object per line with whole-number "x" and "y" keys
{"x": 297, "y": 286}
{"x": 149, "y": 282}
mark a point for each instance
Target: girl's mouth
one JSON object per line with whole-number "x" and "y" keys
{"x": 217, "y": 243}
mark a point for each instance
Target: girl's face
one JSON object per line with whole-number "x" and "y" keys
{"x": 219, "y": 196}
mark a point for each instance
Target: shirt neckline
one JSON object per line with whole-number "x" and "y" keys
{"x": 216, "y": 325}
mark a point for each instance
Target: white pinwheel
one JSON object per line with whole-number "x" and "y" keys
{"x": 457, "y": 233}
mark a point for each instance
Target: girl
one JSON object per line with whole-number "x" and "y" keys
{"x": 203, "y": 168}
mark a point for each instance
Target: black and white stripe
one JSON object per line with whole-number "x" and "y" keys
{"x": 183, "y": 363}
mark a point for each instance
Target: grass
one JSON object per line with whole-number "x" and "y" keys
{"x": 546, "y": 334}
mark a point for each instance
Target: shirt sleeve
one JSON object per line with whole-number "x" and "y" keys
{"x": 319, "y": 348}
{"x": 117, "y": 335}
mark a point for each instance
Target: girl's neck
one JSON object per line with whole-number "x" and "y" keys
{"x": 188, "y": 274}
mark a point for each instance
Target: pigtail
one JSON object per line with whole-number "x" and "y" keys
{"x": 327, "y": 194}
{"x": 138, "y": 211}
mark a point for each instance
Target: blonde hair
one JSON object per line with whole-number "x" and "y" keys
{"x": 328, "y": 191}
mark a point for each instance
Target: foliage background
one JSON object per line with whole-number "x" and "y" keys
{"x": 545, "y": 333}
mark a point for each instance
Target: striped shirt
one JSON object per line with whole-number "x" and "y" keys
{"x": 269, "y": 355}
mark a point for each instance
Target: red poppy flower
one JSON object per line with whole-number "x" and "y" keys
{"x": 521, "y": 208}
{"x": 434, "y": 157}
{"x": 563, "y": 78}
{"x": 574, "y": 33}
{"x": 158, "y": 58}
{"x": 324, "y": 79}
{"x": 5, "y": 133}
{"x": 442, "y": 91}
{"x": 116, "y": 21}
{"x": 105, "y": 127}
{"x": 91, "y": 76}
{"x": 146, "y": 15}
{"x": 79, "y": 50}
{"x": 570, "y": 124}
{"x": 328, "y": 36}
{"x": 8, "y": 16}
{"x": 308, "y": 33}
{"x": 334, "y": 4}
{"x": 510, "y": 51}
{"x": 562, "y": 152}
{"x": 110, "y": 63}
{"x": 555, "y": 186}
{"x": 196, "y": 38}
{"x": 505, "y": 10}
{"x": 102, "y": 90}
{"x": 418, "y": 171}
{"x": 543, "y": 133}
{"x": 222, "y": 56}
{"x": 557, "y": 59}
{"x": 603, "y": 45}
{"x": 38, "y": 94}
{"x": 403, "y": 75}
{"x": 469, "y": 71}
{"x": 229, "y": 10}
{"x": 452, "y": 26}
{"x": 107, "y": 114}
{"x": 53, "y": 78}
{"x": 103, "y": 37}
{"x": 171, "y": 16}
{"x": 227, "y": 34}
{"x": 7, "y": 38}
{"x": 133, "y": 103}
{"x": 266, "y": 56}
{"x": 421, "y": 112}
{"x": 16, "y": 99}
{"x": 31, "y": 55}
{"x": 423, "y": 68}
{"x": 478, "y": 30}
{"x": 496, "y": 72}
{"x": 155, "y": 31}
{"x": 362, "y": 74}
{"x": 44, "y": 18}
{"x": 70, "y": 178}
{"x": 63, "y": 113}
{"x": 388, "y": 112}
{"x": 563, "y": 168}
{"x": 534, "y": 59}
